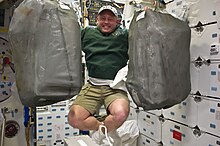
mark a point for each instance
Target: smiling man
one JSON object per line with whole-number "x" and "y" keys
{"x": 106, "y": 52}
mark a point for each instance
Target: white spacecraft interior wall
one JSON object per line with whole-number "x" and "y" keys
{"x": 14, "y": 115}
{"x": 205, "y": 45}
{"x": 196, "y": 120}
{"x": 10, "y": 105}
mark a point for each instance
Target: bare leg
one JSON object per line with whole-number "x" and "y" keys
{"x": 119, "y": 110}
{"x": 80, "y": 118}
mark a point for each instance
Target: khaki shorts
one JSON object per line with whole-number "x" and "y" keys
{"x": 92, "y": 97}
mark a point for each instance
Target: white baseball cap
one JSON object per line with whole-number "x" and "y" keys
{"x": 110, "y": 8}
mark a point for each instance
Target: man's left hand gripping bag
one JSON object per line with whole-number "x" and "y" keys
{"x": 45, "y": 38}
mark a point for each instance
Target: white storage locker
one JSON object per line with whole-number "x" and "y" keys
{"x": 185, "y": 112}
{"x": 175, "y": 134}
{"x": 201, "y": 41}
{"x": 209, "y": 80}
{"x": 200, "y": 79}
{"x": 194, "y": 78}
{"x": 146, "y": 141}
{"x": 44, "y": 126}
{"x": 204, "y": 56}
{"x": 214, "y": 79}
{"x": 156, "y": 112}
{"x": 150, "y": 125}
{"x": 209, "y": 115}
{"x": 208, "y": 140}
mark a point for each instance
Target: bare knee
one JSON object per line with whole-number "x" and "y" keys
{"x": 120, "y": 116}
{"x": 73, "y": 120}
{"x": 76, "y": 116}
{"x": 119, "y": 109}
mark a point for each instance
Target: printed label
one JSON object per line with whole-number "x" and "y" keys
{"x": 140, "y": 16}
{"x": 177, "y": 135}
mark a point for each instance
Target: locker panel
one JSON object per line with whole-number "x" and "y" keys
{"x": 208, "y": 78}
{"x": 156, "y": 112}
{"x": 146, "y": 141}
{"x": 215, "y": 80}
{"x": 44, "y": 126}
{"x": 204, "y": 80}
{"x": 194, "y": 77}
{"x": 201, "y": 41}
{"x": 175, "y": 134}
{"x": 150, "y": 125}
{"x": 209, "y": 115}
{"x": 200, "y": 79}
{"x": 208, "y": 140}
{"x": 52, "y": 124}
{"x": 185, "y": 112}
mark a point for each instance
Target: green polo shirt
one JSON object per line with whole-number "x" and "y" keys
{"x": 105, "y": 54}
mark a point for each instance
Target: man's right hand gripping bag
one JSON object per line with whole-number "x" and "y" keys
{"x": 45, "y": 40}
{"x": 159, "y": 65}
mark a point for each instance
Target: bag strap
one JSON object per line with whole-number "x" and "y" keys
{"x": 106, "y": 135}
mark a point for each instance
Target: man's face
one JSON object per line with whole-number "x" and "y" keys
{"x": 107, "y": 21}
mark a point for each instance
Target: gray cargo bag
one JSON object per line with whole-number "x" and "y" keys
{"x": 159, "y": 66}
{"x": 45, "y": 39}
